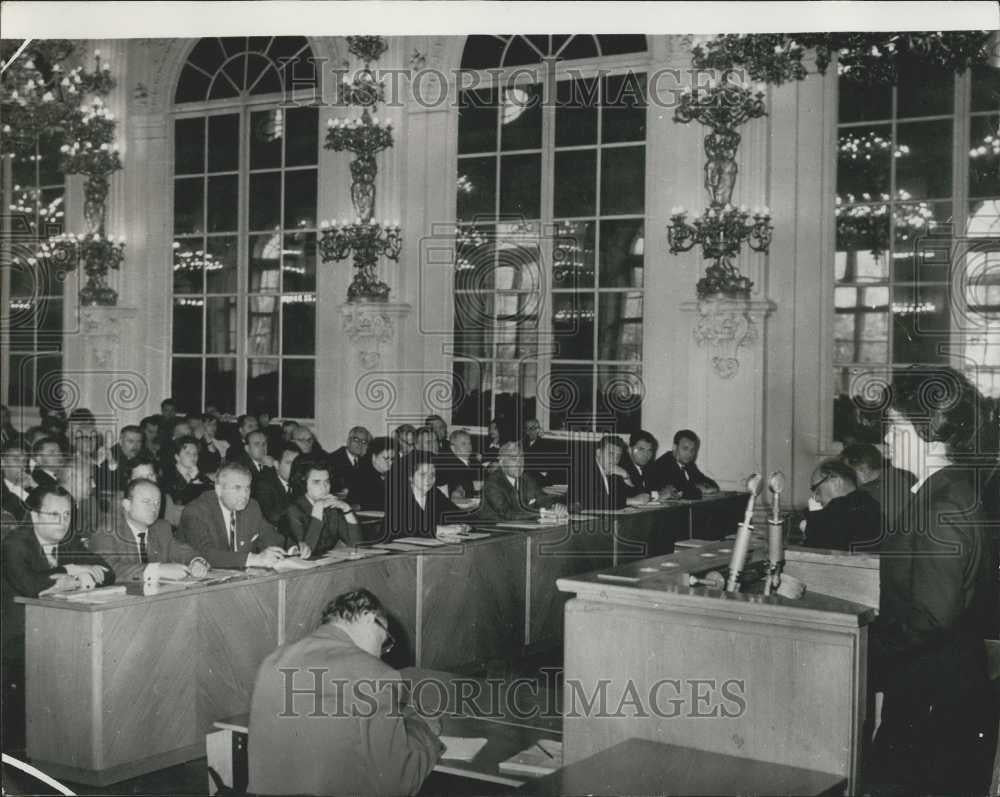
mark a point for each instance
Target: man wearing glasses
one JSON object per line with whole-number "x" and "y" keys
{"x": 329, "y": 717}
{"x": 348, "y": 460}
{"x": 841, "y": 516}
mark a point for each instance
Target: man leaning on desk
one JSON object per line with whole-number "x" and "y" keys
{"x": 510, "y": 493}
{"x": 226, "y": 526}
{"x": 600, "y": 483}
{"x": 329, "y": 717}
{"x": 678, "y": 469}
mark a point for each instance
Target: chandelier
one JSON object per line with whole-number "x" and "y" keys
{"x": 365, "y": 137}
{"x": 721, "y": 229}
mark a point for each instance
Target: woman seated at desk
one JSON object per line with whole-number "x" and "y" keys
{"x": 413, "y": 507}
{"x": 316, "y": 520}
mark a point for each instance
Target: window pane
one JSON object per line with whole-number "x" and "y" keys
{"x": 863, "y": 158}
{"x": 521, "y": 186}
{"x": 619, "y": 398}
{"x": 265, "y": 201}
{"x": 50, "y": 324}
{"x": 924, "y": 90}
{"x": 984, "y": 155}
{"x": 189, "y": 205}
{"x": 265, "y": 253}
{"x": 620, "y": 334}
{"x": 624, "y": 108}
{"x": 921, "y": 320}
{"x": 223, "y": 203}
{"x": 623, "y": 180}
{"x": 473, "y": 324}
{"x": 299, "y": 323}
{"x": 576, "y": 112}
{"x": 573, "y": 325}
{"x": 477, "y": 121}
{"x": 861, "y": 325}
{"x": 862, "y": 248}
{"x": 923, "y": 167}
{"x": 222, "y": 88}
{"x": 471, "y": 405}
{"x": 262, "y": 325}
{"x": 299, "y": 263}
{"x": 221, "y": 267}
{"x": 520, "y": 53}
{"x": 984, "y": 219}
{"x": 300, "y": 199}
{"x": 862, "y": 103}
{"x": 189, "y": 259}
{"x": 475, "y": 257}
{"x": 48, "y": 376}
{"x": 622, "y": 246}
{"x": 220, "y": 383}
{"x": 582, "y": 46}
{"x": 985, "y": 87}
{"x": 518, "y": 260}
{"x": 575, "y": 184}
{"x": 573, "y": 257}
{"x": 189, "y": 146}
{"x": 618, "y": 44}
{"x": 192, "y": 85}
{"x": 262, "y": 386}
{"x": 185, "y": 384}
{"x": 187, "y": 325}
{"x": 516, "y": 325}
{"x": 476, "y": 188}
{"x": 23, "y": 323}
{"x": 224, "y": 143}
{"x": 266, "y": 134}
{"x": 21, "y": 388}
{"x": 298, "y": 388}
{"x": 208, "y": 54}
{"x": 923, "y": 241}
{"x": 569, "y": 395}
{"x": 303, "y": 137}
{"x": 482, "y": 52}
{"x": 220, "y": 325}
{"x": 515, "y": 390}
{"x": 521, "y": 118}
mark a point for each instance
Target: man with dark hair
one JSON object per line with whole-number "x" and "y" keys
{"x": 168, "y": 409}
{"x": 842, "y": 517}
{"x": 406, "y": 439}
{"x": 678, "y": 469}
{"x": 245, "y": 424}
{"x": 598, "y": 482}
{"x": 511, "y": 493}
{"x": 273, "y": 489}
{"x": 370, "y": 485}
{"x": 151, "y": 434}
{"x": 353, "y": 733}
{"x": 437, "y": 424}
{"x": 456, "y": 467}
{"x": 39, "y": 556}
{"x": 638, "y": 464}
{"x": 254, "y": 454}
{"x": 46, "y": 455}
{"x": 9, "y": 436}
{"x": 110, "y": 474}
{"x": 14, "y": 495}
{"x": 887, "y": 484}
{"x": 139, "y": 545}
{"x": 226, "y": 525}
{"x": 348, "y": 460}
{"x": 424, "y": 439}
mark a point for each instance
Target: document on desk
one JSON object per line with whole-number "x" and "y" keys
{"x": 458, "y": 748}
{"x": 290, "y": 563}
{"x": 400, "y": 546}
{"x": 427, "y": 542}
{"x": 542, "y": 758}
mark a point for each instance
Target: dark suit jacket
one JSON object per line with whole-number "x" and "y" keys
{"x": 502, "y": 502}
{"x": 209, "y": 460}
{"x": 360, "y": 741}
{"x": 455, "y": 473}
{"x": 42, "y": 477}
{"x": 587, "y": 491}
{"x": 405, "y": 518}
{"x": 272, "y": 496}
{"x": 12, "y": 504}
{"x": 26, "y": 572}
{"x": 116, "y": 544}
{"x": 644, "y": 482}
{"x": 892, "y": 492}
{"x": 205, "y": 529}
{"x": 344, "y": 473}
{"x": 845, "y": 522}
{"x": 548, "y": 460}
{"x": 184, "y": 492}
{"x": 369, "y": 489}
{"x": 298, "y": 525}
{"x": 668, "y": 471}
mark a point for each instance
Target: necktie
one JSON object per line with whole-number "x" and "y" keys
{"x": 684, "y": 470}
{"x": 143, "y": 553}
{"x": 50, "y": 555}
{"x": 232, "y": 530}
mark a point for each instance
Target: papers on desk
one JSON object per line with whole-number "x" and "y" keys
{"x": 457, "y": 748}
{"x": 370, "y": 513}
{"x": 556, "y": 489}
{"x": 348, "y": 555}
{"x": 466, "y": 503}
{"x": 406, "y": 547}
{"x": 99, "y": 595}
{"x": 461, "y": 536}
{"x": 290, "y": 563}
{"x": 427, "y": 542}
{"x": 542, "y": 758}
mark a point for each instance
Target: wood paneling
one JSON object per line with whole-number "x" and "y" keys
{"x": 844, "y": 575}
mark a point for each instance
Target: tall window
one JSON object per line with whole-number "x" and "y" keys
{"x": 917, "y": 262}
{"x": 34, "y": 293}
{"x": 244, "y": 260}
{"x": 550, "y": 205}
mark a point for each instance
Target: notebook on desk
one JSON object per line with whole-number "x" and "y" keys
{"x": 542, "y": 758}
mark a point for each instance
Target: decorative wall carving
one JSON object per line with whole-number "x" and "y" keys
{"x": 369, "y": 326}
{"x": 724, "y": 326}
{"x": 103, "y": 329}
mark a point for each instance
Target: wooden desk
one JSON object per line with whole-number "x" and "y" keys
{"x": 761, "y": 678}
{"x": 640, "y": 766}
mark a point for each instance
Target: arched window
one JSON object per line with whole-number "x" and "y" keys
{"x": 917, "y": 260}
{"x": 246, "y": 155}
{"x": 550, "y": 206}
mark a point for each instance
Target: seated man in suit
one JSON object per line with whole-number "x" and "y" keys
{"x": 226, "y": 526}
{"x": 538, "y": 454}
{"x": 457, "y": 468}
{"x": 598, "y": 482}
{"x": 46, "y": 459}
{"x": 369, "y": 487}
{"x": 642, "y": 475}
{"x": 254, "y": 454}
{"x": 352, "y": 735}
{"x": 139, "y": 546}
{"x": 424, "y": 439}
{"x": 244, "y": 425}
{"x": 406, "y": 439}
{"x": 150, "y": 426}
{"x": 39, "y": 556}
{"x": 842, "y": 517}
{"x": 316, "y": 520}
{"x": 348, "y": 460}
{"x": 438, "y": 425}
{"x": 304, "y": 438}
{"x": 273, "y": 489}
{"x": 16, "y": 482}
{"x": 109, "y": 472}
{"x": 888, "y": 485}
{"x": 212, "y": 449}
{"x": 678, "y": 469}
{"x": 510, "y": 493}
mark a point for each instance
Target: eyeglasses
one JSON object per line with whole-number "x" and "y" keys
{"x": 814, "y": 487}
{"x": 58, "y": 515}
{"x": 388, "y": 642}
{"x": 362, "y": 440}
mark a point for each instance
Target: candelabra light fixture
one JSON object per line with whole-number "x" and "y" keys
{"x": 365, "y": 137}
{"x": 721, "y": 229}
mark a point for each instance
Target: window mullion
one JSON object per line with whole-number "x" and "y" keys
{"x": 243, "y": 263}
{"x": 547, "y": 227}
